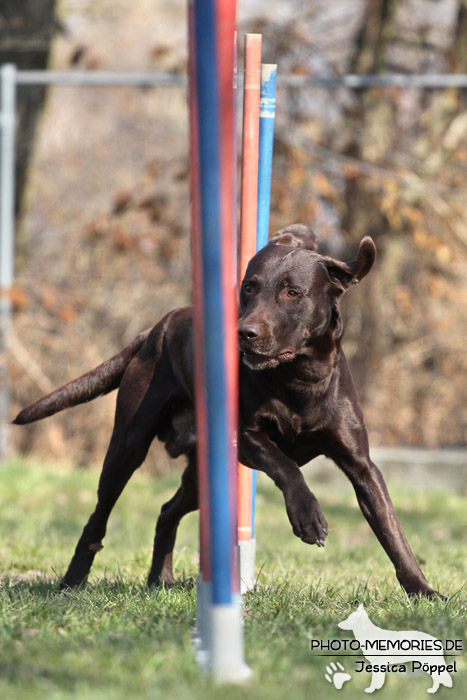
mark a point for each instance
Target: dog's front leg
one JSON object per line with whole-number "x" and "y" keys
{"x": 259, "y": 452}
{"x": 376, "y": 505}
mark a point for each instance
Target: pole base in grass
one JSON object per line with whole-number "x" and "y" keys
{"x": 201, "y": 639}
{"x": 247, "y": 564}
{"x": 227, "y": 663}
{"x": 218, "y": 637}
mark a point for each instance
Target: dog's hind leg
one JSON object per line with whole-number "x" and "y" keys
{"x": 184, "y": 501}
{"x": 125, "y": 454}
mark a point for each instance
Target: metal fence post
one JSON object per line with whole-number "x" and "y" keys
{"x": 7, "y": 227}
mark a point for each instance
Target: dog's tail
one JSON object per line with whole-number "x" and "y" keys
{"x": 99, "y": 381}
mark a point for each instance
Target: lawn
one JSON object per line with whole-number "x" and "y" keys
{"x": 115, "y": 639}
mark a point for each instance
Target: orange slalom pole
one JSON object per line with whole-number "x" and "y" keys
{"x": 248, "y": 221}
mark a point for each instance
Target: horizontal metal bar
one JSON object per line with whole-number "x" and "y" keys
{"x": 454, "y": 80}
{"x": 99, "y": 78}
{"x": 147, "y": 79}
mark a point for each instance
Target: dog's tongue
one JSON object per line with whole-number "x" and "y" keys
{"x": 286, "y": 355}
{"x": 255, "y": 360}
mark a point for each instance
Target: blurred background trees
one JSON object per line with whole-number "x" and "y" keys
{"x": 103, "y": 243}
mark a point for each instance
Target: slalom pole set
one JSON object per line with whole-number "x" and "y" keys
{"x": 226, "y": 500}
{"x": 259, "y": 102}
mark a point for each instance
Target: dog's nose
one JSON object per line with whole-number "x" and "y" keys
{"x": 248, "y": 331}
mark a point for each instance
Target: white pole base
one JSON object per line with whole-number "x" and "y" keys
{"x": 218, "y": 637}
{"x": 227, "y": 663}
{"x": 201, "y": 638}
{"x": 247, "y": 564}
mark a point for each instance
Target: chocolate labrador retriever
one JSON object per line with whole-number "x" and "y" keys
{"x": 297, "y": 401}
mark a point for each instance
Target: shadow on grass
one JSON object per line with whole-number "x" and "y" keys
{"x": 42, "y": 586}
{"x": 33, "y": 584}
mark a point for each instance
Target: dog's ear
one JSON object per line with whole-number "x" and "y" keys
{"x": 344, "y": 275}
{"x": 295, "y": 236}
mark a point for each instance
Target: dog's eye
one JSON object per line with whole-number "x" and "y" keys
{"x": 247, "y": 288}
{"x": 291, "y": 293}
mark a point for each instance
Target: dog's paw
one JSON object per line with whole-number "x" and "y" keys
{"x": 68, "y": 583}
{"x": 306, "y": 518}
{"x": 417, "y": 586}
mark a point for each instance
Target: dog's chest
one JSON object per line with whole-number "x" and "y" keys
{"x": 291, "y": 420}
{"x": 275, "y": 415}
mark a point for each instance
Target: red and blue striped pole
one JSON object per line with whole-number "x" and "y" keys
{"x": 267, "y": 112}
{"x": 204, "y": 578}
{"x": 213, "y": 168}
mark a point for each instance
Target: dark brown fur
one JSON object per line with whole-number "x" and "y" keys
{"x": 297, "y": 400}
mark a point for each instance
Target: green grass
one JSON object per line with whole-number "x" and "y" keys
{"x": 115, "y": 639}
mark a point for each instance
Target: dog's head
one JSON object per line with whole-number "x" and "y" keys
{"x": 289, "y": 297}
{"x": 295, "y": 236}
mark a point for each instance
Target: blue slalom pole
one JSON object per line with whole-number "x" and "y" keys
{"x": 267, "y": 111}
{"x": 266, "y": 138}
